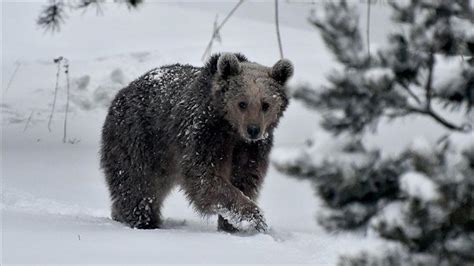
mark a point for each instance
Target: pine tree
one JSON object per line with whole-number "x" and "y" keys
{"x": 432, "y": 219}
{"x": 421, "y": 201}
{"x": 398, "y": 80}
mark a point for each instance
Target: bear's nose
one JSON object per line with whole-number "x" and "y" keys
{"x": 253, "y": 131}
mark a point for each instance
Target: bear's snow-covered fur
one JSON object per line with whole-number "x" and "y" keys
{"x": 190, "y": 126}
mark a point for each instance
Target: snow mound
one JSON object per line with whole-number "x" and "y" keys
{"x": 418, "y": 185}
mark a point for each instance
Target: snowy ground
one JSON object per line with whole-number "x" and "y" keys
{"x": 55, "y": 207}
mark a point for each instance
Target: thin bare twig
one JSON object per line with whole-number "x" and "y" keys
{"x": 368, "y": 29}
{"x": 58, "y": 63}
{"x": 277, "y": 27}
{"x": 29, "y": 120}
{"x": 12, "y": 76}
{"x": 215, "y": 36}
{"x": 216, "y": 30}
{"x": 66, "y": 71}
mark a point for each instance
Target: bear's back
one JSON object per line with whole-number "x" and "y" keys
{"x": 169, "y": 83}
{"x": 151, "y": 98}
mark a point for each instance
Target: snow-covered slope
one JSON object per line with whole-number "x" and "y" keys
{"x": 55, "y": 206}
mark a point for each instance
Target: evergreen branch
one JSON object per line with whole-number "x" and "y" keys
{"x": 428, "y": 110}
{"x": 412, "y": 94}
{"x": 398, "y": 114}
{"x": 443, "y": 121}
{"x": 52, "y": 16}
{"x": 54, "y": 13}
{"x": 85, "y": 4}
{"x": 429, "y": 81}
{"x": 342, "y": 36}
{"x": 131, "y": 3}
{"x": 308, "y": 96}
{"x": 462, "y": 128}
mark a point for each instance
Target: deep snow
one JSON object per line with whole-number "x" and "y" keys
{"x": 55, "y": 206}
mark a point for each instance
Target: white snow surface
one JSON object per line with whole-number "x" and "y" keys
{"x": 55, "y": 206}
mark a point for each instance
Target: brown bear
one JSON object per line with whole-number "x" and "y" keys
{"x": 207, "y": 129}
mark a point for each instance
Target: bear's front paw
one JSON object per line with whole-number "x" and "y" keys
{"x": 256, "y": 221}
{"x": 247, "y": 218}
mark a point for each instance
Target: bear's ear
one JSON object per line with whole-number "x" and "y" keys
{"x": 228, "y": 65}
{"x": 282, "y": 71}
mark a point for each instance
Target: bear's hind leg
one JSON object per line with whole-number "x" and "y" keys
{"x": 138, "y": 203}
{"x": 137, "y": 212}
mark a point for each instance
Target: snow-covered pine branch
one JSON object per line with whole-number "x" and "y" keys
{"x": 422, "y": 199}
{"x": 399, "y": 79}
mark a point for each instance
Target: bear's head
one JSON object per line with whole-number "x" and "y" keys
{"x": 252, "y": 97}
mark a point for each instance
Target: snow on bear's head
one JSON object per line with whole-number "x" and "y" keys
{"x": 253, "y": 96}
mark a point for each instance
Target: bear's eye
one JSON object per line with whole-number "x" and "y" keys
{"x": 265, "y": 106}
{"x": 243, "y": 105}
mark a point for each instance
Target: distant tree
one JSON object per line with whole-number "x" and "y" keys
{"x": 423, "y": 199}
{"x": 54, "y": 14}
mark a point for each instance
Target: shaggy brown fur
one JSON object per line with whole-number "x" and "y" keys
{"x": 208, "y": 129}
